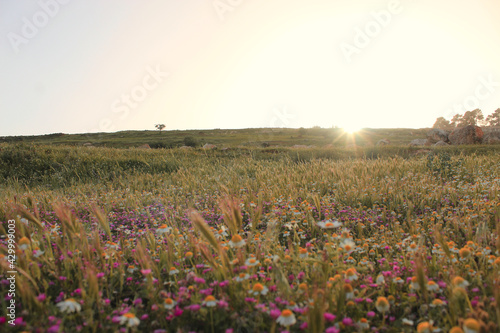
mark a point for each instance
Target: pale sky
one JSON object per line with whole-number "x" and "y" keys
{"x": 77, "y": 66}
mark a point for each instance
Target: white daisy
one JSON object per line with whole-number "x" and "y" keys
{"x": 329, "y": 224}
{"x": 236, "y": 241}
{"x": 258, "y": 289}
{"x": 348, "y": 245}
{"x": 129, "y": 319}
{"x": 169, "y": 303}
{"x": 242, "y": 277}
{"x": 252, "y": 262}
{"x": 69, "y": 306}
{"x": 163, "y": 229}
{"x": 287, "y": 318}
{"x": 209, "y": 301}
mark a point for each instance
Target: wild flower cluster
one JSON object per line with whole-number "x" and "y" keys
{"x": 352, "y": 246}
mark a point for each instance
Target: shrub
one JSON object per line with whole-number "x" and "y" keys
{"x": 191, "y": 141}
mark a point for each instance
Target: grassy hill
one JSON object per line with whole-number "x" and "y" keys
{"x": 254, "y": 137}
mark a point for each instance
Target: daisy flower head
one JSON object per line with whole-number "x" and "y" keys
{"x": 414, "y": 283}
{"x": 412, "y": 248}
{"x": 236, "y": 241}
{"x": 303, "y": 253}
{"x": 398, "y": 280}
{"x": 163, "y": 229}
{"x": 437, "y": 303}
{"x": 348, "y": 245}
{"x": 351, "y": 274}
{"x": 456, "y": 329}
{"x": 349, "y": 292}
{"x": 209, "y": 301}
{"x": 242, "y": 277}
{"x": 69, "y": 305}
{"x": 459, "y": 282}
{"x": 287, "y": 318}
{"x": 425, "y": 327}
{"x": 329, "y": 224}
{"x": 173, "y": 271}
{"x": 24, "y": 243}
{"x": 292, "y": 305}
{"x": 129, "y": 319}
{"x": 258, "y": 289}
{"x": 363, "y": 324}
{"x": 380, "y": 279}
{"x": 112, "y": 245}
{"x": 432, "y": 286}
{"x": 382, "y": 304}
{"x": 251, "y": 262}
{"x": 169, "y": 303}
{"x": 471, "y": 326}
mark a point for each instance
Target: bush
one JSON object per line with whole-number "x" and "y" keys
{"x": 191, "y": 141}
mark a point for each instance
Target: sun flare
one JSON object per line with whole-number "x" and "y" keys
{"x": 351, "y": 128}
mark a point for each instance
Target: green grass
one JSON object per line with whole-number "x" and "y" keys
{"x": 55, "y": 166}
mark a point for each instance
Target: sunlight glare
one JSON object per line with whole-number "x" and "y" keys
{"x": 351, "y": 128}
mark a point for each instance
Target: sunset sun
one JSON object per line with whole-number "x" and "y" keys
{"x": 351, "y": 128}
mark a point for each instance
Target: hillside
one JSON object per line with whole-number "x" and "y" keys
{"x": 281, "y": 137}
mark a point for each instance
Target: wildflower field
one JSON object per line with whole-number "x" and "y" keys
{"x": 110, "y": 240}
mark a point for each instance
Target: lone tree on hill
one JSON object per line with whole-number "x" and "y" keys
{"x": 160, "y": 127}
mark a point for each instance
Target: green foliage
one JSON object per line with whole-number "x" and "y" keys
{"x": 191, "y": 141}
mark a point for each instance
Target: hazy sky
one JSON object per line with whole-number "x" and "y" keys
{"x": 77, "y": 66}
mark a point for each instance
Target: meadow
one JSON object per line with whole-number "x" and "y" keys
{"x": 380, "y": 239}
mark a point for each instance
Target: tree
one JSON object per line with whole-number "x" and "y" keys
{"x": 474, "y": 117}
{"x": 302, "y": 131}
{"x": 442, "y": 123}
{"x": 160, "y": 127}
{"x": 455, "y": 120}
{"x": 493, "y": 119}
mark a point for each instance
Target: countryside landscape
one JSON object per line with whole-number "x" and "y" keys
{"x": 234, "y": 166}
{"x": 236, "y": 237}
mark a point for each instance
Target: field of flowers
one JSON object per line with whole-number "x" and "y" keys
{"x": 245, "y": 245}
